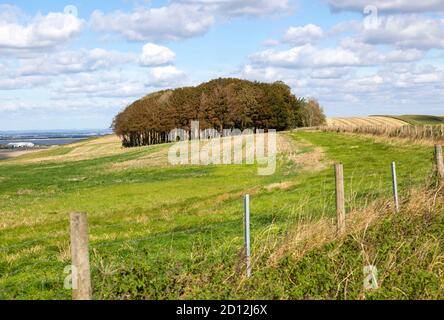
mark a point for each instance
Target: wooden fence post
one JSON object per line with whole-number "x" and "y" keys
{"x": 80, "y": 257}
{"x": 247, "y": 234}
{"x": 439, "y": 163}
{"x": 395, "y": 186}
{"x": 340, "y": 198}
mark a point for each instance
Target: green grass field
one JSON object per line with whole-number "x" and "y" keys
{"x": 420, "y": 119}
{"x": 175, "y": 232}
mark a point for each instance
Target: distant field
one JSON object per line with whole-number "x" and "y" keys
{"x": 391, "y": 121}
{"x": 366, "y": 121}
{"x": 420, "y": 119}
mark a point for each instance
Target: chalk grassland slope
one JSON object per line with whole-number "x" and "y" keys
{"x": 366, "y": 121}
{"x": 88, "y": 149}
{"x": 7, "y": 153}
{"x": 420, "y": 119}
{"x": 174, "y": 232}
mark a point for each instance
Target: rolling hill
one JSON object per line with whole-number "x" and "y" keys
{"x": 159, "y": 231}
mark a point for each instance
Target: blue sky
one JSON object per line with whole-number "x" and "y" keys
{"x": 75, "y": 64}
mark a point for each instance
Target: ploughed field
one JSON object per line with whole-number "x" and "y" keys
{"x": 159, "y": 231}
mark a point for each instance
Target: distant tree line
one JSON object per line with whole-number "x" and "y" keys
{"x": 218, "y": 104}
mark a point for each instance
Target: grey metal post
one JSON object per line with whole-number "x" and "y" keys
{"x": 395, "y": 186}
{"x": 247, "y": 234}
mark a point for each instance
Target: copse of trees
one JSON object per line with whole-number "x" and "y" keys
{"x": 218, "y": 104}
{"x": 311, "y": 114}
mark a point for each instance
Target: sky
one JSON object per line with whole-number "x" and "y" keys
{"x": 76, "y": 64}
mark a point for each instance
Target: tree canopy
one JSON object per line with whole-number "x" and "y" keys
{"x": 218, "y": 104}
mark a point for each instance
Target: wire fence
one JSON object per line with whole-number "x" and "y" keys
{"x": 434, "y": 133}
{"x": 356, "y": 184}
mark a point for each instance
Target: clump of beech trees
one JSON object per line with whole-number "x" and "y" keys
{"x": 218, "y": 104}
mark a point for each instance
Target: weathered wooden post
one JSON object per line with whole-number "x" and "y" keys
{"x": 439, "y": 163}
{"x": 340, "y": 198}
{"x": 80, "y": 257}
{"x": 247, "y": 234}
{"x": 395, "y": 186}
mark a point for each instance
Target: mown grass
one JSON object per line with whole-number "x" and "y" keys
{"x": 176, "y": 232}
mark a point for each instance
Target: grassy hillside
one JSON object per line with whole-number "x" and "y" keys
{"x": 420, "y": 119}
{"x": 164, "y": 232}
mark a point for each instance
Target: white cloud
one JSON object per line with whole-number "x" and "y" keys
{"x": 404, "y": 55}
{"x": 63, "y": 106}
{"x": 104, "y": 84}
{"x": 74, "y": 62}
{"x": 400, "y": 30}
{"x": 371, "y": 55}
{"x": 154, "y": 55}
{"x": 389, "y": 5}
{"x": 171, "y": 22}
{"x": 309, "y": 33}
{"x": 40, "y": 32}
{"x": 411, "y": 76}
{"x": 181, "y": 19}
{"x": 329, "y": 73}
{"x": 362, "y": 91}
{"x": 242, "y": 7}
{"x": 307, "y": 56}
{"x": 407, "y": 31}
{"x": 16, "y": 83}
{"x": 10, "y": 13}
{"x": 270, "y": 43}
{"x": 268, "y": 74}
{"x": 168, "y": 76}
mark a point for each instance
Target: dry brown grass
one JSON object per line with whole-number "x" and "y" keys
{"x": 111, "y": 145}
{"x": 280, "y": 186}
{"x": 393, "y": 140}
{"x": 289, "y": 149}
{"x": 10, "y": 154}
{"x": 365, "y": 121}
{"x": 308, "y": 235}
{"x": 83, "y": 150}
{"x": 413, "y": 133}
{"x": 10, "y": 258}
